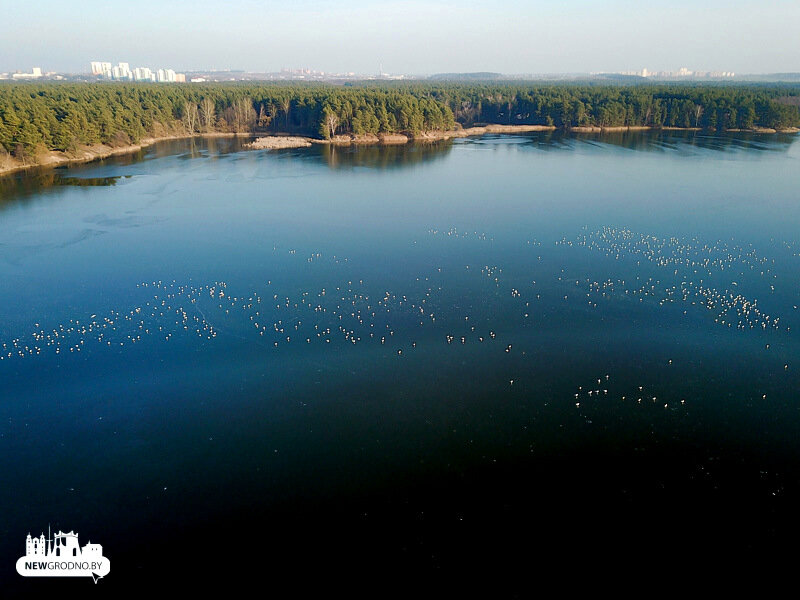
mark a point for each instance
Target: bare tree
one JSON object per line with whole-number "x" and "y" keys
{"x": 286, "y": 104}
{"x": 244, "y": 115}
{"x": 698, "y": 112}
{"x": 208, "y": 115}
{"x": 648, "y": 114}
{"x": 21, "y": 154}
{"x": 5, "y": 158}
{"x": 265, "y": 115}
{"x": 191, "y": 117}
{"x": 331, "y": 122}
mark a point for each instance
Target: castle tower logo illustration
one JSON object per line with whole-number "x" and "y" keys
{"x": 60, "y": 555}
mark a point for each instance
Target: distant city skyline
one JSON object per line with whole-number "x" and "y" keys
{"x": 123, "y": 71}
{"x": 418, "y": 37}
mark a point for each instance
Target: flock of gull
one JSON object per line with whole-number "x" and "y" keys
{"x": 688, "y": 271}
{"x": 449, "y": 305}
{"x": 453, "y": 232}
{"x": 601, "y": 389}
{"x": 344, "y": 312}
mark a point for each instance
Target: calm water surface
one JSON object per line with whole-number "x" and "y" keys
{"x": 480, "y": 354}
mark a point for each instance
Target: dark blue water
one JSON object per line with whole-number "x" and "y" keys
{"x": 480, "y": 354}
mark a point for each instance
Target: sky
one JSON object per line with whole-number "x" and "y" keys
{"x": 412, "y": 37}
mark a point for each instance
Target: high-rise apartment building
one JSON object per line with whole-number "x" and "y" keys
{"x": 123, "y": 72}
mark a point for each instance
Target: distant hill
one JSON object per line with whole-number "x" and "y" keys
{"x": 784, "y": 76}
{"x": 771, "y": 77}
{"x": 482, "y": 76}
{"x": 620, "y": 77}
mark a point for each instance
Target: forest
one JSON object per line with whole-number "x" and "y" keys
{"x": 38, "y": 117}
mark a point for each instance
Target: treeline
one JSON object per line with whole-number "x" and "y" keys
{"x": 65, "y": 117}
{"x": 36, "y": 117}
{"x": 717, "y": 107}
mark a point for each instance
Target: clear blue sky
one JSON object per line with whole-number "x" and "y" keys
{"x": 417, "y": 36}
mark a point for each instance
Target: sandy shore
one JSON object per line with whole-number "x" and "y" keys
{"x": 276, "y": 142}
{"x": 432, "y": 136}
{"x": 470, "y": 131}
{"x": 388, "y": 139}
{"x": 97, "y": 152}
{"x": 769, "y": 130}
{"x": 649, "y": 128}
{"x": 595, "y": 129}
{"x": 385, "y": 139}
{"x": 91, "y": 153}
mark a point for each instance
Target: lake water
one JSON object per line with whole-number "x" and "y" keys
{"x": 484, "y": 354}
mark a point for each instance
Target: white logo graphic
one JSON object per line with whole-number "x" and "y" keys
{"x": 61, "y": 556}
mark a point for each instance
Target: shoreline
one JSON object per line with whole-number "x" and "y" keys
{"x": 390, "y": 139}
{"x": 87, "y": 154}
{"x": 274, "y": 142}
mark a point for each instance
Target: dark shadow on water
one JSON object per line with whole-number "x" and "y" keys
{"x": 90, "y": 181}
{"x": 384, "y": 157}
{"x": 206, "y": 147}
{"x": 23, "y": 185}
{"x": 682, "y": 142}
